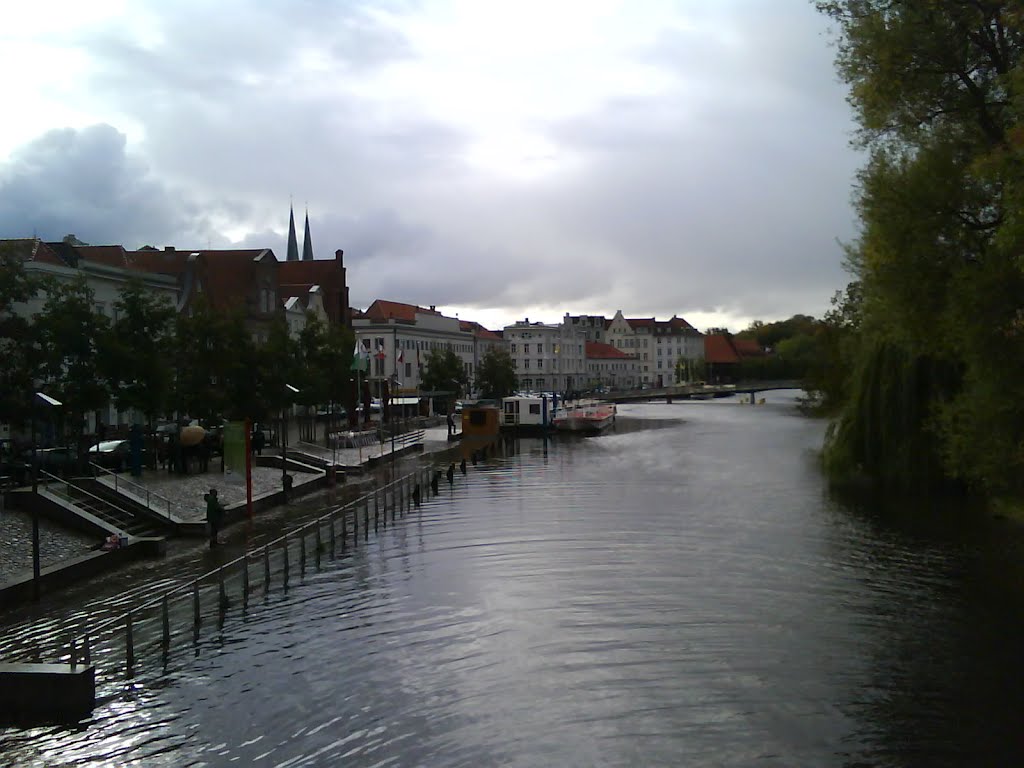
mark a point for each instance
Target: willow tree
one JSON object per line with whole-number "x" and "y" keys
{"x": 937, "y": 392}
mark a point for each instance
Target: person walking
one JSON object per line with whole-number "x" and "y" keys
{"x": 451, "y": 424}
{"x": 214, "y": 516}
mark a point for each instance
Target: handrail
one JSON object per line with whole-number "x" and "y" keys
{"x": 121, "y": 618}
{"x": 44, "y": 473}
{"x": 149, "y": 494}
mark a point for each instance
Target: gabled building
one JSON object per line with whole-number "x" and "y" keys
{"x": 610, "y": 367}
{"x": 399, "y": 336}
{"x": 327, "y": 276}
{"x": 244, "y": 281}
{"x": 723, "y": 354}
{"x": 662, "y": 347}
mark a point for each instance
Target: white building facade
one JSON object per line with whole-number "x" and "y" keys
{"x": 400, "y": 336}
{"x": 547, "y": 358}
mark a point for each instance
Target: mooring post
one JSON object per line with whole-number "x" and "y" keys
{"x": 318, "y": 542}
{"x": 129, "y": 645}
{"x": 333, "y": 539}
{"x": 266, "y": 569}
{"x": 376, "y": 509}
{"x": 285, "y": 553}
{"x": 223, "y": 595}
{"x": 196, "y": 619}
{"x": 245, "y": 580}
{"x": 366, "y": 518}
{"x": 166, "y": 617}
{"x": 74, "y": 653}
{"x": 86, "y": 651}
{"x": 302, "y": 551}
{"x": 344, "y": 528}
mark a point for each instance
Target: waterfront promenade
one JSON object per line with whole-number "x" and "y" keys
{"x": 186, "y": 492}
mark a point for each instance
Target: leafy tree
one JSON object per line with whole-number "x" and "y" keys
{"x": 17, "y": 373}
{"x": 496, "y": 376}
{"x": 70, "y": 334}
{"x": 444, "y": 372}
{"x": 935, "y": 395}
{"x": 204, "y": 356}
{"x": 139, "y": 354}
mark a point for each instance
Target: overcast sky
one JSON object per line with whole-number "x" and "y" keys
{"x": 502, "y": 160}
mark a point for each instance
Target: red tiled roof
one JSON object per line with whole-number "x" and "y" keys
{"x": 747, "y": 347}
{"x": 641, "y": 322}
{"x": 680, "y": 324}
{"x": 382, "y": 310}
{"x": 110, "y": 255}
{"x": 598, "y": 350}
{"x": 33, "y": 249}
{"x": 471, "y": 326}
{"x": 162, "y": 262}
{"x": 228, "y": 276}
{"x": 719, "y": 349}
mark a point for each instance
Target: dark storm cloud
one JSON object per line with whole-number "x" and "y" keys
{"x": 84, "y": 182}
{"x": 725, "y": 188}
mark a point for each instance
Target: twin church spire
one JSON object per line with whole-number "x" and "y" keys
{"x": 293, "y": 245}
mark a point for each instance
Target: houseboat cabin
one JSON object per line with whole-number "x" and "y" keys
{"x": 528, "y": 412}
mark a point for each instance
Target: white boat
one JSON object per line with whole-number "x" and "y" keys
{"x": 586, "y": 417}
{"x": 526, "y": 413}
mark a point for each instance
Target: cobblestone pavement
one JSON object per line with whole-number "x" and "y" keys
{"x": 56, "y": 543}
{"x": 186, "y": 494}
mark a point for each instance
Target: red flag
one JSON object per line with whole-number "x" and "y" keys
{"x": 401, "y": 355}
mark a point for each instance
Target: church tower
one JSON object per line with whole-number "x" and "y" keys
{"x": 293, "y": 245}
{"x": 307, "y": 242}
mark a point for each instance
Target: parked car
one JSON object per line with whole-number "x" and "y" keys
{"x": 114, "y": 455}
{"x": 56, "y": 461}
{"x": 14, "y": 470}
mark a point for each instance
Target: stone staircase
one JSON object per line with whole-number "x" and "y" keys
{"x": 114, "y": 517}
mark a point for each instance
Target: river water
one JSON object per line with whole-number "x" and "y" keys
{"x": 683, "y": 594}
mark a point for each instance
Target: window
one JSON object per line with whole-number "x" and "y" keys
{"x": 408, "y": 370}
{"x": 513, "y": 349}
{"x": 526, "y": 364}
{"x": 540, "y": 364}
{"x": 526, "y": 349}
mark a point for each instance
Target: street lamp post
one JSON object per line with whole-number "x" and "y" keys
{"x": 289, "y": 390}
{"x": 46, "y": 400}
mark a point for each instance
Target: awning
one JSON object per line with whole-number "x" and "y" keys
{"x": 405, "y": 400}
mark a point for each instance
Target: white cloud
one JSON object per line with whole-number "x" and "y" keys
{"x": 533, "y": 158}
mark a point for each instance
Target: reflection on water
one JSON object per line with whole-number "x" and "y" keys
{"x": 687, "y": 595}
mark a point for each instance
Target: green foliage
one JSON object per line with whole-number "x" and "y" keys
{"x": 139, "y": 352}
{"x": 887, "y": 432}
{"x": 496, "y": 376}
{"x": 70, "y": 334}
{"x": 935, "y": 359}
{"x": 769, "y": 335}
{"x": 17, "y": 343}
{"x": 444, "y": 372}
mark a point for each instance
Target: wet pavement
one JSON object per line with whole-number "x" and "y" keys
{"x": 185, "y": 493}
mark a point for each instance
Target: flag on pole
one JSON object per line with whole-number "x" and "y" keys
{"x": 380, "y": 352}
{"x": 359, "y": 359}
{"x": 401, "y": 355}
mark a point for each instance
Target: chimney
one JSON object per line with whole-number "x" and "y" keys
{"x": 339, "y": 256}
{"x": 433, "y": 308}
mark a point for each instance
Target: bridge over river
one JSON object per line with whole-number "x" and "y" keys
{"x": 684, "y": 391}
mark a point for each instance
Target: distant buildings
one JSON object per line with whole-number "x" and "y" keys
{"x": 582, "y": 351}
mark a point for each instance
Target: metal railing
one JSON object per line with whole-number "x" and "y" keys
{"x": 150, "y": 625}
{"x": 49, "y": 480}
{"x": 141, "y": 493}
